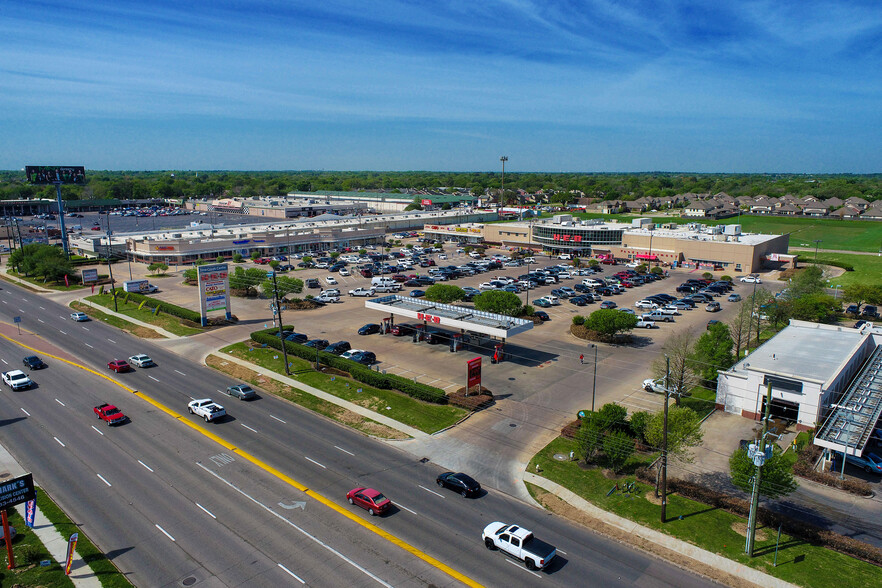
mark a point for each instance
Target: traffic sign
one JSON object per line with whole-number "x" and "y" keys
{"x": 16, "y": 319}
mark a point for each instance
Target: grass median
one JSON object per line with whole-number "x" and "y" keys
{"x": 119, "y": 323}
{"x": 711, "y": 529}
{"x": 424, "y": 416}
{"x": 168, "y": 322}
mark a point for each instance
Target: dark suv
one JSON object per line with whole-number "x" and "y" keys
{"x": 338, "y": 348}
{"x": 869, "y": 311}
{"x": 312, "y": 283}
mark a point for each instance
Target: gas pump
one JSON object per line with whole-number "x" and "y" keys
{"x": 498, "y": 353}
{"x": 456, "y": 342}
{"x": 386, "y": 325}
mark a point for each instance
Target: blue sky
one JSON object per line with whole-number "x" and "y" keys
{"x": 593, "y": 85}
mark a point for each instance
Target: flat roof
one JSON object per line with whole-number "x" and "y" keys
{"x": 451, "y": 316}
{"x": 687, "y": 234}
{"x": 803, "y": 351}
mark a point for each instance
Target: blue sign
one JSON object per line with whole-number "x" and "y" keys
{"x": 241, "y": 241}
{"x": 16, "y": 319}
{"x": 269, "y": 274}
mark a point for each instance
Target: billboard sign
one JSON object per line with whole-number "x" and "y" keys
{"x": 90, "y": 276}
{"x": 51, "y": 174}
{"x": 214, "y": 289}
{"x": 474, "y": 375}
{"x": 426, "y": 202}
{"x": 17, "y": 490}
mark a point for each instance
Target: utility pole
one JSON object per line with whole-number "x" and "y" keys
{"x": 594, "y": 375}
{"x": 110, "y": 268}
{"x": 759, "y": 456}
{"x": 503, "y": 159}
{"x": 664, "y": 456}
{"x": 817, "y": 243}
{"x": 278, "y": 311}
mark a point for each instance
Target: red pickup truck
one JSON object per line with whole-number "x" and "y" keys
{"x": 110, "y": 414}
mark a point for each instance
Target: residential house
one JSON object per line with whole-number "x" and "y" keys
{"x": 815, "y": 208}
{"x": 699, "y": 209}
{"x": 788, "y": 209}
{"x": 834, "y": 202}
{"x": 846, "y": 213}
{"x": 857, "y": 202}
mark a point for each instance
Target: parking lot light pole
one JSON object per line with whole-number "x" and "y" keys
{"x": 594, "y": 380}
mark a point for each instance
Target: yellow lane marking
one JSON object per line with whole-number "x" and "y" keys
{"x": 271, "y": 470}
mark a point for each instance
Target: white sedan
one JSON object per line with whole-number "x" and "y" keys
{"x": 751, "y": 279}
{"x": 344, "y": 272}
{"x": 331, "y": 280}
{"x": 651, "y": 385}
{"x": 486, "y": 286}
{"x": 350, "y": 353}
{"x": 79, "y": 316}
{"x": 141, "y": 360}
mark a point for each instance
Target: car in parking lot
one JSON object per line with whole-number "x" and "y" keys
{"x": 338, "y": 348}
{"x": 312, "y": 283}
{"x": 646, "y": 304}
{"x": 241, "y": 391}
{"x": 642, "y": 324}
{"x": 369, "y": 329}
{"x": 713, "y": 307}
{"x": 417, "y": 293}
{"x": 32, "y": 362}
{"x": 141, "y": 360}
{"x": 579, "y": 300}
{"x": 652, "y": 385}
{"x": 869, "y": 311}
{"x": 402, "y": 329}
{"x": 344, "y": 272}
{"x": 119, "y": 365}
{"x": 79, "y": 316}
{"x": 461, "y": 483}
{"x": 331, "y": 280}
{"x": 362, "y": 292}
{"x": 542, "y": 303}
{"x": 364, "y": 357}
{"x": 869, "y": 462}
{"x": 852, "y": 309}
{"x": 543, "y": 316}
{"x": 608, "y": 304}
{"x": 300, "y": 338}
{"x": 369, "y": 499}
{"x": 751, "y": 279}
{"x": 734, "y": 298}
{"x": 316, "y": 343}
{"x": 349, "y": 353}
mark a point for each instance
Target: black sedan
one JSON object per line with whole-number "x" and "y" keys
{"x": 578, "y": 301}
{"x": 33, "y": 362}
{"x": 462, "y": 483}
{"x": 369, "y": 329}
{"x": 317, "y": 343}
{"x": 364, "y": 357}
{"x": 297, "y": 338}
{"x": 543, "y": 316}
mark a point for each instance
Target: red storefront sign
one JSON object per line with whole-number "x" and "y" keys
{"x": 564, "y": 237}
{"x": 428, "y": 318}
{"x": 474, "y": 373}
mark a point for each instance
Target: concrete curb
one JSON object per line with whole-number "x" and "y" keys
{"x": 676, "y": 545}
{"x": 391, "y": 423}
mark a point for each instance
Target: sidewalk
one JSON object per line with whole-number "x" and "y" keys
{"x": 671, "y": 543}
{"x": 81, "y": 574}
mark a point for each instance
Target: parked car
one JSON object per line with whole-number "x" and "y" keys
{"x": 542, "y": 303}
{"x": 338, "y": 348}
{"x": 713, "y": 307}
{"x": 300, "y": 338}
{"x": 417, "y": 293}
{"x": 364, "y": 357}
{"x": 751, "y": 279}
{"x": 607, "y": 304}
{"x": 641, "y": 324}
{"x": 369, "y": 329}
{"x": 241, "y": 391}
{"x": 543, "y": 316}
{"x": 869, "y": 462}
{"x": 852, "y": 309}
{"x": 734, "y": 298}
{"x": 369, "y": 499}
{"x": 869, "y": 311}
{"x": 362, "y": 292}
{"x": 651, "y": 385}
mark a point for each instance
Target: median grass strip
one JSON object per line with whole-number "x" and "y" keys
{"x": 710, "y": 528}
{"x": 424, "y": 416}
{"x": 165, "y": 321}
{"x": 119, "y": 323}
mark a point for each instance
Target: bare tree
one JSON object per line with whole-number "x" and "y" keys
{"x": 738, "y": 328}
{"x": 681, "y": 378}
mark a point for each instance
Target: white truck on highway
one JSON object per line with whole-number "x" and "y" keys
{"x": 206, "y": 408}
{"x": 518, "y": 543}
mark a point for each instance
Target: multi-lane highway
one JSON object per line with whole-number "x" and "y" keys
{"x": 257, "y": 499}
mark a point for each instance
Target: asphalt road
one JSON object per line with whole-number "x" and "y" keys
{"x": 167, "y": 503}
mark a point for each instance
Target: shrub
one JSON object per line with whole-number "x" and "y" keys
{"x": 178, "y": 311}
{"x": 579, "y": 320}
{"x": 638, "y": 424}
{"x": 237, "y": 258}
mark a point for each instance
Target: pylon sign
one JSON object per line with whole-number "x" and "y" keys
{"x": 214, "y": 289}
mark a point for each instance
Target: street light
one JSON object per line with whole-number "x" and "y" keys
{"x": 594, "y": 382}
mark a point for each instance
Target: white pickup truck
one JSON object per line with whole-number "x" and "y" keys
{"x": 519, "y": 543}
{"x": 362, "y": 292}
{"x": 207, "y": 408}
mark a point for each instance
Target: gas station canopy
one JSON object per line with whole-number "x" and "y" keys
{"x": 451, "y": 316}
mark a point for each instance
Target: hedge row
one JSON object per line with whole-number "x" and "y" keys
{"x": 357, "y": 371}
{"x": 805, "y": 468}
{"x": 765, "y": 517}
{"x": 178, "y": 311}
{"x": 846, "y": 266}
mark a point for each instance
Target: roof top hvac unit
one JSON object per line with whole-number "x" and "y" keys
{"x": 716, "y": 230}
{"x": 732, "y": 229}
{"x": 640, "y": 223}
{"x": 560, "y": 219}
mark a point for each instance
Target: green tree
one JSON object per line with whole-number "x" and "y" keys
{"x": 284, "y": 286}
{"x": 609, "y": 322}
{"x": 38, "y": 259}
{"x": 611, "y": 417}
{"x": 237, "y": 258}
{"x": 638, "y": 422}
{"x": 274, "y": 263}
{"x": 863, "y": 293}
{"x": 498, "y": 302}
{"x": 618, "y": 447}
{"x": 444, "y": 293}
{"x": 589, "y": 438}
{"x": 219, "y": 259}
{"x": 777, "y": 475}
{"x": 254, "y": 255}
{"x": 816, "y": 307}
{"x": 684, "y": 431}
{"x": 157, "y": 268}
{"x": 713, "y": 352}
{"x": 808, "y": 281}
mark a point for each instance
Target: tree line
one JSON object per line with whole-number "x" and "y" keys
{"x": 554, "y": 187}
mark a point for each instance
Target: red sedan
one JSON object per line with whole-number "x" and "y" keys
{"x": 368, "y": 498}
{"x": 119, "y": 365}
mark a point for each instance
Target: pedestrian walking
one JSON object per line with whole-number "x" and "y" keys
{"x": 581, "y": 358}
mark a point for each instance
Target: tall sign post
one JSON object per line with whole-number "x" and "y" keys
{"x": 44, "y": 175}
{"x": 214, "y": 290}
{"x": 12, "y": 492}
{"x": 473, "y": 380}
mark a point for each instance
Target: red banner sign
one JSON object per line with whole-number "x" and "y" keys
{"x": 428, "y": 318}
{"x": 565, "y": 237}
{"x": 474, "y": 373}
{"x": 426, "y": 202}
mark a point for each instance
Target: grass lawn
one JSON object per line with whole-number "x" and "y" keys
{"x": 701, "y": 400}
{"x": 424, "y": 416}
{"x": 117, "y": 322}
{"x": 165, "y": 321}
{"x": 709, "y": 528}
{"x": 867, "y": 268}
{"x": 48, "y": 285}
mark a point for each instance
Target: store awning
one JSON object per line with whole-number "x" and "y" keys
{"x": 645, "y": 256}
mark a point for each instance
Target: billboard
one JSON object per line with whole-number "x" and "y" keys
{"x": 473, "y": 383}
{"x": 17, "y": 490}
{"x": 50, "y": 174}
{"x": 90, "y": 276}
{"x": 214, "y": 289}
{"x": 426, "y": 202}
